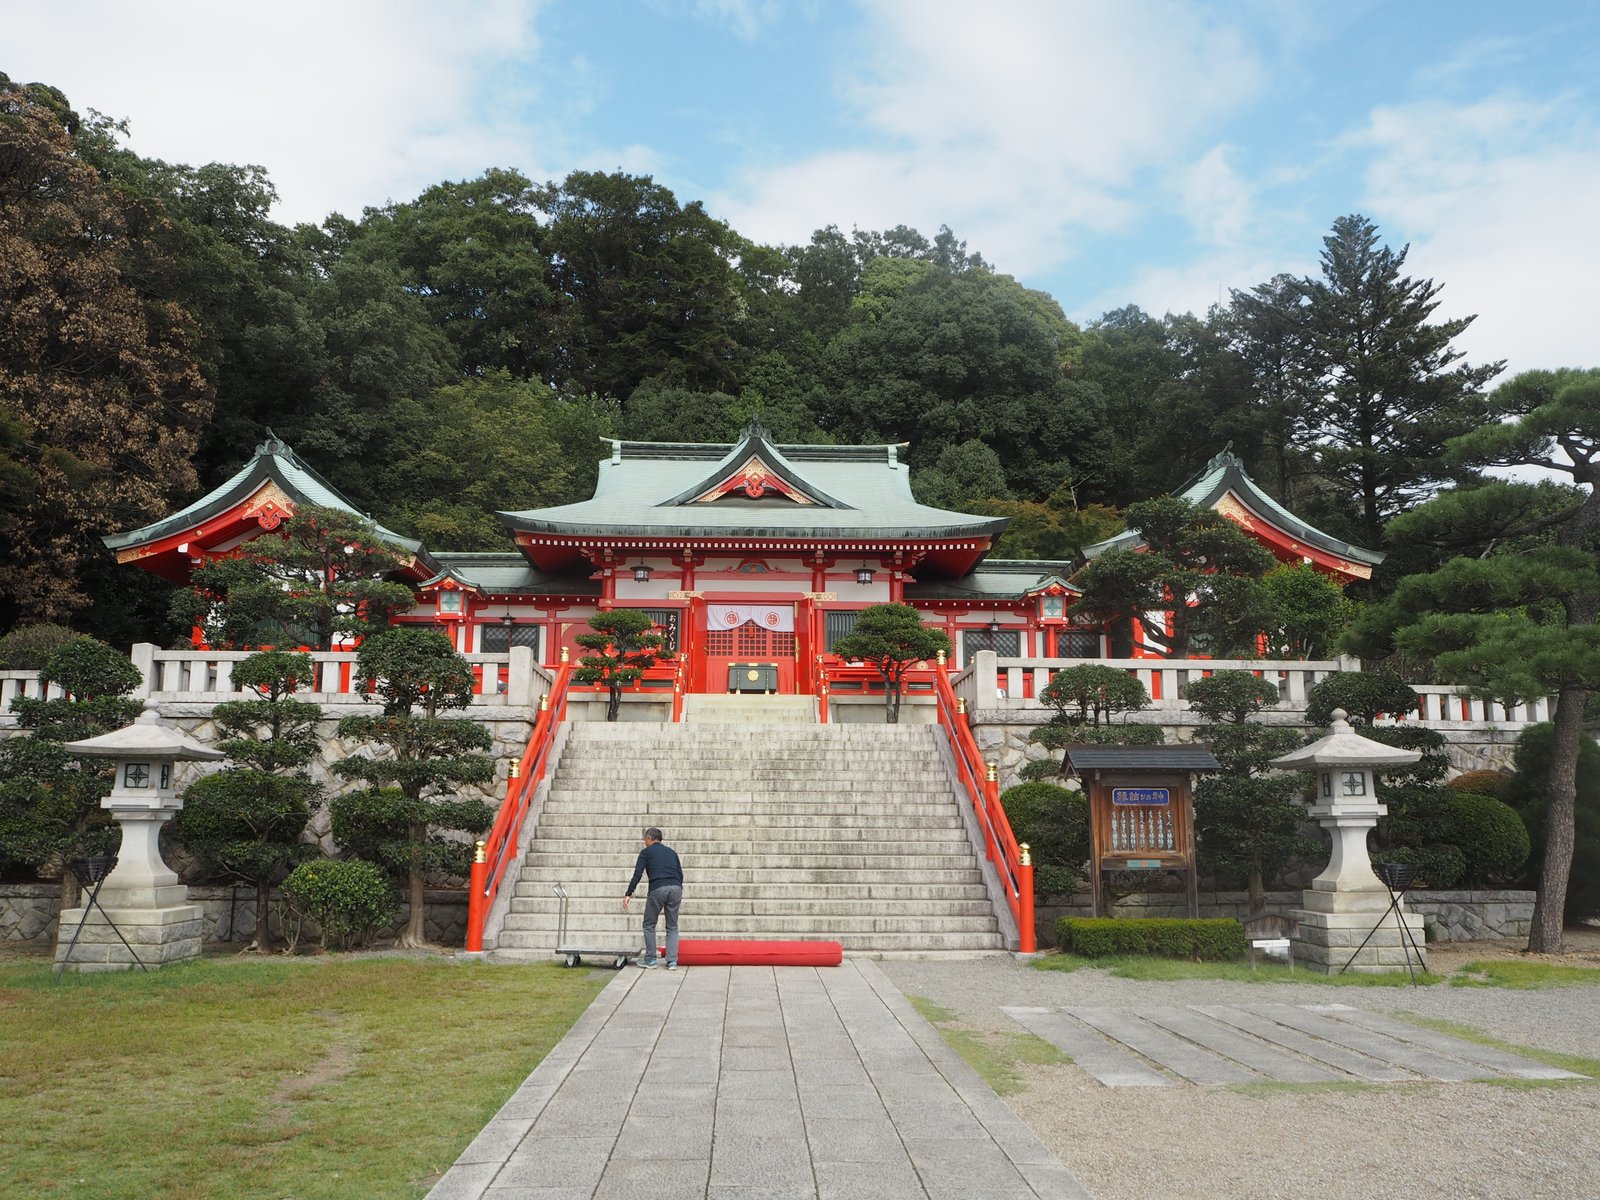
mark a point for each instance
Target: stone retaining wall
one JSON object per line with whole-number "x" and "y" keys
{"x": 1450, "y": 916}
{"x": 28, "y": 915}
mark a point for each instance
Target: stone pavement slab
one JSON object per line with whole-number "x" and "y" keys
{"x": 1221, "y": 1044}
{"x": 755, "y": 1083}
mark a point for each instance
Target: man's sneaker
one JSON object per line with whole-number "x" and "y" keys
{"x": 648, "y": 964}
{"x": 672, "y": 966}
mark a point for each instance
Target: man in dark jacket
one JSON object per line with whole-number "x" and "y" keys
{"x": 664, "y": 895}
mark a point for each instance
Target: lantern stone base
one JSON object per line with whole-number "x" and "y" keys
{"x": 1333, "y": 924}
{"x": 159, "y": 936}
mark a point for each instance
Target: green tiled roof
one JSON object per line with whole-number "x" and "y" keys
{"x": 1225, "y": 473}
{"x": 509, "y": 574}
{"x": 647, "y": 488}
{"x": 275, "y": 462}
{"x": 995, "y": 579}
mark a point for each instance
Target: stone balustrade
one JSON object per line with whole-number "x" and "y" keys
{"x": 206, "y": 677}
{"x": 1004, "y": 685}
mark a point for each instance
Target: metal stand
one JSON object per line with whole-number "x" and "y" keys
{"x": 1402, "y": 876}
{"x": 91, "y": 873}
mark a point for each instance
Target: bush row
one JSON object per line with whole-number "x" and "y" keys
{"x": 1206, "y": 940}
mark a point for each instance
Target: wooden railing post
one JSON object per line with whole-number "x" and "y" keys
{"x": 477, "y": 889}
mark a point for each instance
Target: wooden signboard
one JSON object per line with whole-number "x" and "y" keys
{"x": 1141, "y": 820}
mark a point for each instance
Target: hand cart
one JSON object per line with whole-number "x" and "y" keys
{"x": 572, "y": 956}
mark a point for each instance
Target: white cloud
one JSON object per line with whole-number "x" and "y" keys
{"x": 1022, "y": 125}
{"x": 1213, "y": 197}
{"x": 346, "y": 104}
{"x": 1500, "y": 196}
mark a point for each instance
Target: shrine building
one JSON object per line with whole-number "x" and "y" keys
{"x": 750, "y": 553}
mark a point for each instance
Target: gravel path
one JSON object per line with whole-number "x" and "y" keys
{"x": 1426, "y": 1141}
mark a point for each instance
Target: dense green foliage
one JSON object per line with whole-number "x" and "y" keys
{"x": 1086, "y": 697}
{"x": 892, "y": 638}
{"x": 1515, "y": 614}
{"x": 444, "y": 356}
{"x": 1054, "y": 822}
{"x": 1528, "y": 793}
{"x": 350, "y": 900}
{"x": 245, "y": 821}
{"x": 322, "y": 579}
{"x": 1196, "y": 565}
{"x": 622, "y": 645}
{"x": 1204, "y": 940}
{"x": 50, "y": 800}
{"x": 1364, "y": 696}
{"x": 1248, "y": 818}
{"x": 29, "y": 647}
{"x": 412, "y": 799}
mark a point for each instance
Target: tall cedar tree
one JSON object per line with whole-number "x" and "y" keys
{"x": 50, "y": 800}
{"x": 101, "y": 399}
{"x": 892, "y": 638}
{"x": 622, "y": 646}
{"x": 412, "y": 796}
{"x": 1393, "y": 390}
{"x": 1196, "y": 564}
{"x": 1518, "y": 621}
{"x": 245, "y": 821}
{"x": 320, "y": 578}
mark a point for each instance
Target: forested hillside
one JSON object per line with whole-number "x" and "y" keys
{"x": 462, "y": 352}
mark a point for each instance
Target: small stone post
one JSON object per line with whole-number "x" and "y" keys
{"x": 142, "y": 896}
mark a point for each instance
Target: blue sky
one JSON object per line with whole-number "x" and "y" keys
{"x": 1108, "y": 153}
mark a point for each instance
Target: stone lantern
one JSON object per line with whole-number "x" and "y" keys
{"x": 142, "y": 897}
{"x": 1347, "y": 902}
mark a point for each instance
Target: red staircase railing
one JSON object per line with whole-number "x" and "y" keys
{"x": 1011, "y": 859}
{"x": 493, "y": 855}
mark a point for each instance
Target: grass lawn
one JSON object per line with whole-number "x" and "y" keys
{"x": 1509, "y": 973}
{"x": 289, "y": 1078}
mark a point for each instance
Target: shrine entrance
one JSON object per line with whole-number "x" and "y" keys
{"x": 750, "y": 648}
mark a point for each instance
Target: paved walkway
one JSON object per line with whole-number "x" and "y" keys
{"x": 1307, "y": 1043}
{"x": 755, "y": 1083}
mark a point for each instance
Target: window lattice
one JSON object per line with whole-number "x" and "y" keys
{"x": 498, "y": 639}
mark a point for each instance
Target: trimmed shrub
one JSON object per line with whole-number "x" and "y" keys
{"x": 1490, "y": 835}
{"x": 350, "y": 900}
{"x": 1480, "y": 783}
{"x": 29, "y": 647}
{"x": 1439, "y": 864}
{"x": 1362, "y": 694}
{"x": 1055, "y": 823}
{"x": 1207, "y": 940}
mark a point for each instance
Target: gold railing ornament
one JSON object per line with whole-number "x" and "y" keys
{"x": 993, "y": 772}
{"x": 1027, "y": 856}
{"x": 480, "y": 851}
{"x": 544, "y": 702}
{"x": 566, "y": 655}
{"x": 941, "y": 658}
{"x": 961, "y": 706}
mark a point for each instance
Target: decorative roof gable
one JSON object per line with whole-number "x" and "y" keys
{"x": 754, "y": 469}
{"x": 1226, "y": 487}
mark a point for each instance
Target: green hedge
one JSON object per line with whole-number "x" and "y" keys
{"x": 350, "y": 900}
{"x": 1216, "y": 940}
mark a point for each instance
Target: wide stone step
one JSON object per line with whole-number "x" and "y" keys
{"x": 606, "y": 889}
{"x": 766, "y": 905}
{"x": 779, "y": 872}
{"x": 609, "y": 811}
{"x": 636, "y": 776}
{"x": 735, "y": 836}
{"x": 868, "y": 942}
{"x": 880, "y": 824}
{"x": 730, "y": 856}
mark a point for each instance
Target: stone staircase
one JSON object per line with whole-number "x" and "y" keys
{"x": 849, "y": 833}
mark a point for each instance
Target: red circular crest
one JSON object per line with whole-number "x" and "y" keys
{"x": 732, "y": 618}
{"x": 772, "y": 620}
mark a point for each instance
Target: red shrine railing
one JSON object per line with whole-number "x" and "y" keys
{"x": 494, "y": 854}
{"x": 1010, "y": 859}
